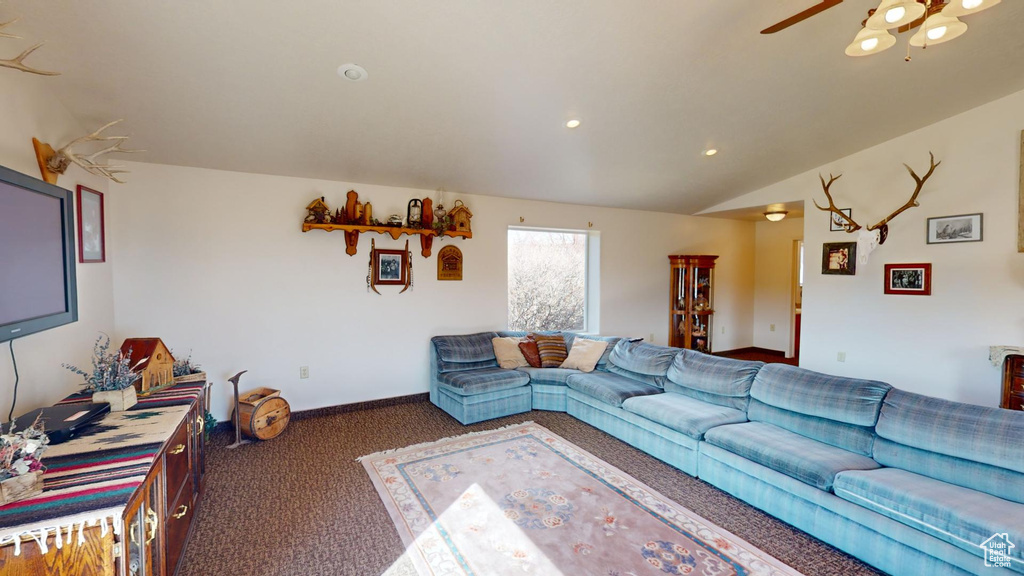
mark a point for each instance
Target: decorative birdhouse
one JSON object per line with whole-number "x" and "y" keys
{"x": 153, "y": 359}
{"x": 319, "y": 213}
{"x": 460, "y": 216}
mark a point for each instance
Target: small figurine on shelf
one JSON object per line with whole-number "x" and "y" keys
{"x": 460, "y": 216}
{"x": 339, "y": 217}
{"x": 319, "y": 213}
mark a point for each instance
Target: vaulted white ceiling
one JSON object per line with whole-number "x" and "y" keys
{"x": 473, "y": 95}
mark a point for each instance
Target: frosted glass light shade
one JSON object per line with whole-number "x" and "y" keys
{"x": 882, "y": 19}
{"x": 775, "y": 216}
{"x": 868, "y": 42}
{"x": 966, "y": 7}
{"x": 928, "y": 34}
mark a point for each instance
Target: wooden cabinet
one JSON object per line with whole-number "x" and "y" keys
{"x": 157, "y": 517}
{"x": 691, "y": 301}
{"x": 1013, "y": 382}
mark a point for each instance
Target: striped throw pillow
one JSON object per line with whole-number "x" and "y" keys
{"x": 552, "y": 350}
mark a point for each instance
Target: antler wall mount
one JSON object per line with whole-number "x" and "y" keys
{"x": 53, "y": 163}
{"x": 18, "y": 62}
{"x": 875, "y": 234}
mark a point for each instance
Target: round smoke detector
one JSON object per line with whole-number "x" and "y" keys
{"x": 353, "y": 72}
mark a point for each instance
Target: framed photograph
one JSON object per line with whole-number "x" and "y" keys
{"x": 913, "y": 279}
{"x": 390, "y": 267}
{"x": 91, "y": 236}
{"x": 836, "y": 223}
{"x": 839, "y": 258}
{"x": 961, "y": 228}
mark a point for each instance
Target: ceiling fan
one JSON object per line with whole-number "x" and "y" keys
{"x": 939, "y": 17}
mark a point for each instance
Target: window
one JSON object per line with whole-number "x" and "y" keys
{"x": 548, "y": 280}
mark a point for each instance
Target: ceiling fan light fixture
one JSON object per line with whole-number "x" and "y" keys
{"x": 938, "y": 28}
{"x": 776, "y": 215}
{"x": 869, "y": 41}
{"x": 967, "y": 7}
{"x": 894, "y": 13}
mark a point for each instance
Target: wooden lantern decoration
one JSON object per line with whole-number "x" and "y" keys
{"x": 152, "y": 359}
{"x": 460, "y": 216}
{"x": 414, "y": 213}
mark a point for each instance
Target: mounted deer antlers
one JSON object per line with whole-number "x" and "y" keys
{"x": 18, "y": 63}
{"x": 52, "y": 163}
{"x": 882, "y": 225}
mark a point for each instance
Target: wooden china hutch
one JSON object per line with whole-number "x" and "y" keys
{"x": 691, "y": 302}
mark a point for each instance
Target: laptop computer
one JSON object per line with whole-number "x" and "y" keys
{"x": 62, "y": 423}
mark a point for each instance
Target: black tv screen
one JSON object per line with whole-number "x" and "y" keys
{"x": 37, "y": 247}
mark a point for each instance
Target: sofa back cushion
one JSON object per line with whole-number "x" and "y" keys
{"x": 931, "y": 436}
{"x": 643, "y": 362}
{"x": 832, "y": 409}
{"x": 721, "y": 381}
{"x": 464, "y": 352}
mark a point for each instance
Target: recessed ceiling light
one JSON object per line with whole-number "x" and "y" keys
{"x": 711, "y": 152}
{"x": 353, "y": 72}
{"x": 572, "y": 123}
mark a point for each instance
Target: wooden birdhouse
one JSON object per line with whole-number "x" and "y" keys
{"x": 460, "y": 216}
{"x": 319, "y": 213}
{"x": 157, "y": 363}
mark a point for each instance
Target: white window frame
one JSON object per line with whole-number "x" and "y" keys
{"x": 591, "y": 279}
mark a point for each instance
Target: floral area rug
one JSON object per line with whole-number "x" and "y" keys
{"x": 521, "y": 500}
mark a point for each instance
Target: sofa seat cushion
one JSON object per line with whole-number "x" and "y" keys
{"x": 556, "y": 376}
{"x": 963, "y": 517}
{"x": 609, "y": 388}
{"x": 807, "y": 460}
{"x": 470, "y": 382}
{"x": 683, "y": 414}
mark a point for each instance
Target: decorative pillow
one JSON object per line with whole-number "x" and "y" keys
{"x": 552, "y": 350}
{"x": 585, "y": 354}
{"x": 530, "y": 352}
{"x": 506, "y": 350}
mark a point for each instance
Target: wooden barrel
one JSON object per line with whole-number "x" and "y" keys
{"x": 264, "y": 418}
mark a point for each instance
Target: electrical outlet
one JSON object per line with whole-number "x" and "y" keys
{"x": 841, "y": 357}
{"x": 303, "y": 372}
{"x": 771, "y": 327}
{"x": 652, "y": 338}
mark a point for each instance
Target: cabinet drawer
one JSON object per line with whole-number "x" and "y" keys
{"x": 176, "y": 460}
{"x": 176, "y": 523}
{"x": 1016, "y": 402}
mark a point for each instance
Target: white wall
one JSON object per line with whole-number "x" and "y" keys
{"x": 216, "y": 262}
{"x": 935, "y": 345}
{"x": 28, "y": 109}
{"x": 773, "y": 282}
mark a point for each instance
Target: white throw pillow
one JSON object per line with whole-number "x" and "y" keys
{"x": 585, "y": 354}
{"x": 507, "y": 351}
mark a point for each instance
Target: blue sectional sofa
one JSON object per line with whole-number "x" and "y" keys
{"x": 907, "y": 483}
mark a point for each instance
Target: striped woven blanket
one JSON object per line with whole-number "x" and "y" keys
{"x": 91, "y": 478}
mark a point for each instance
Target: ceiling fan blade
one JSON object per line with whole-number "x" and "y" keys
{"x": 820, "y": 7}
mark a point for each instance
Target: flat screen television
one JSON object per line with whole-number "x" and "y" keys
{"x": 37, "y": 263}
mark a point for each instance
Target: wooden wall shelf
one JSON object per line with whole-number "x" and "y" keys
{"x": 352, "y": 234}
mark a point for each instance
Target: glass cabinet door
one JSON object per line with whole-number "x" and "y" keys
{"x": 143, "y": 544}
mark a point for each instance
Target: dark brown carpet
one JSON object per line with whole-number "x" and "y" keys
{"x": 765, "y": 357}
{"x": 301, "y": 505}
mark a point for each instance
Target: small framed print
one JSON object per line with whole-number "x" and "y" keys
{"x": 390, "y": 267}
{"x": 911, "y": 279}
{"x": 837, "y": 224}
{"x": 839, "y": 258}
{"x": 91, "y": 236}
{"x": 950, "y": 229}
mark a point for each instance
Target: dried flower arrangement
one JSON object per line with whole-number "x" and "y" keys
{"x": 111, "y": 371}
{"x": 21, "y": 466}
{"x": 186, "y": 367}
{"x": 112, "y": 376}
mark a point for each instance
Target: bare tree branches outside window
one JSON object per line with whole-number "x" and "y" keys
{"x": 547, "y": 274}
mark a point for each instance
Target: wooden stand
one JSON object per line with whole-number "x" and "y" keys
{"x": 238, "y": 427}
{"x": 352, "y": 234}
